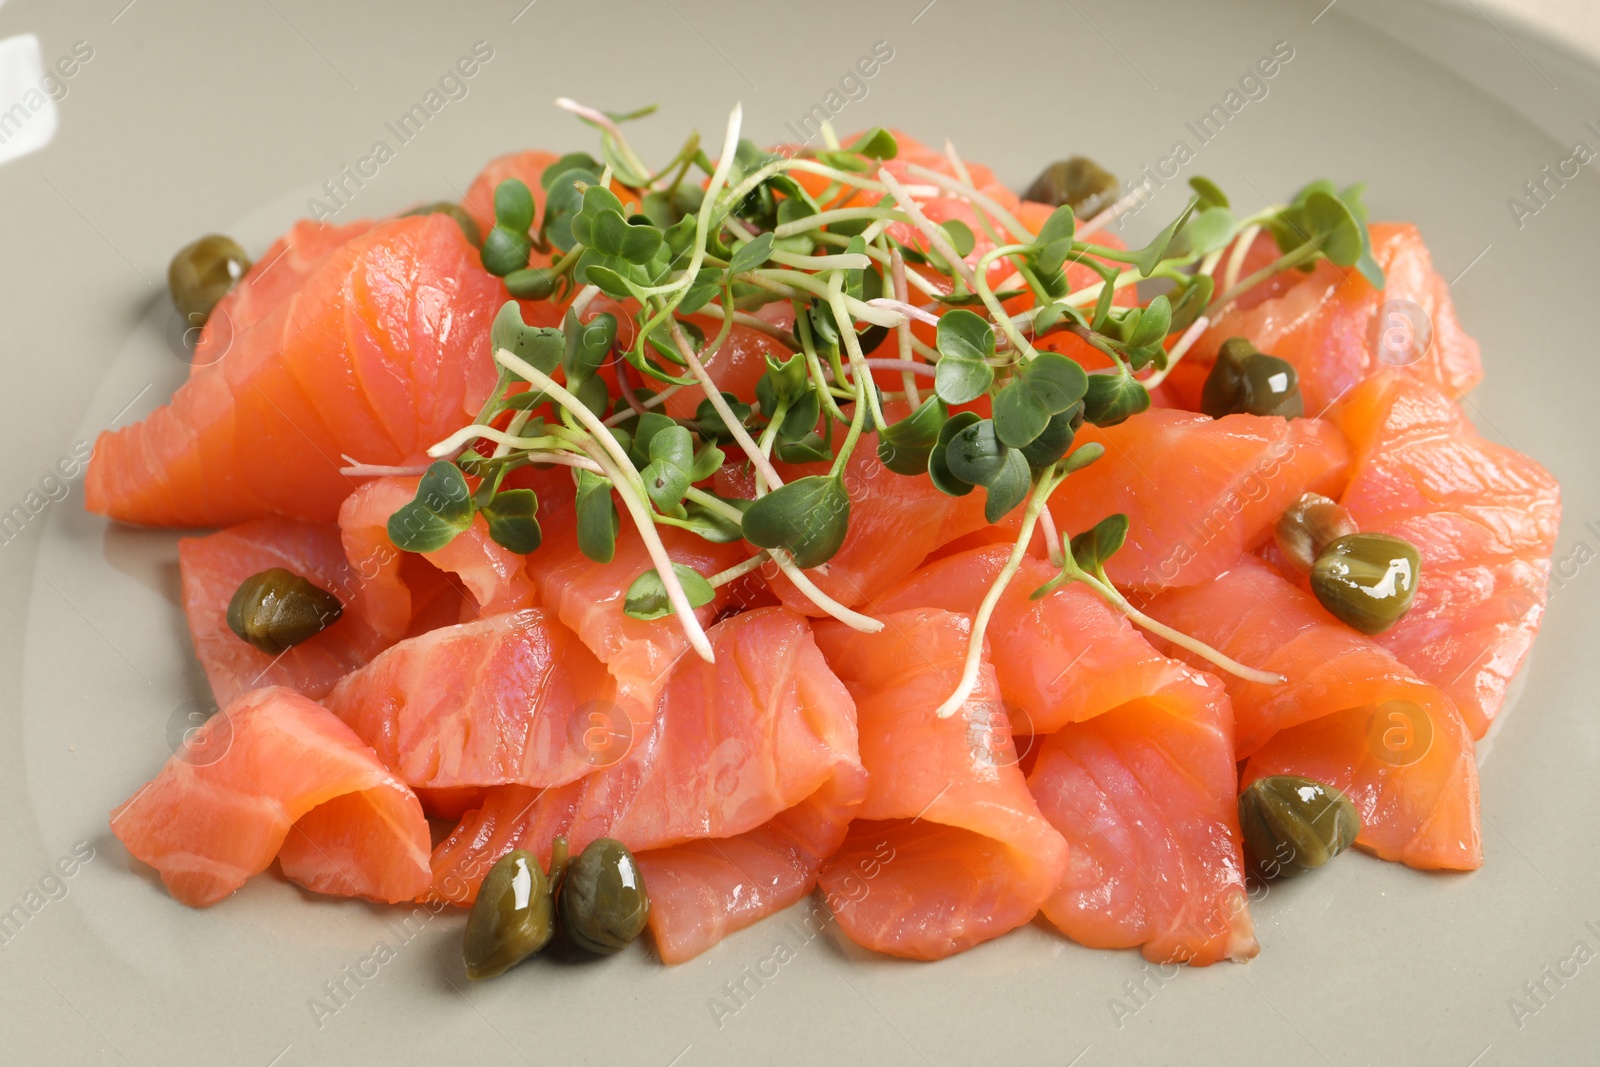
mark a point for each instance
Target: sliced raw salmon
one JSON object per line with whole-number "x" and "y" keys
{"x": 959, "y": 850}
{"x": 1331, "y": 323}
{"x": 503, "y": 699}
{"x": 1063, "y": 658}
{"x": 275, "y": 775}
{"x": 1197, "y": 491}
{"x": 380, "y": 353}
{"x": 733, "y": 745}
{"x": 1146, "y": 797}
{"x": 1484, "y": 519}
{"x": 210, "y": 570}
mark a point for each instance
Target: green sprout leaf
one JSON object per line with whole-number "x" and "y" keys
{"x": 965, "y": 342}
{"x": 670, "y": 471}
{"x": 751, "y": 255}
{"x": 1008, "y": 489}
{"x": 1093, "y": 547}
{"x": 513, "y": 521}
{"x": 708, "y": 422}
{"x": 1154, "y": 252}
{"x": 1206, "y": 189}
{"x": 961, "y": 236}
{"x": 1332, "y": 228}
{"x": 938, "y": 469}
{"x": 1192, "y": 300}
{"x": 539, "y": 345}
{"x": 1113, "y": 398}
{"x": 647, "y": 596}
{"x": 1053, "y": 442}
{"x": 904, "y": 446}
{"x": 1047, "y": 386}
{"x": 876, "y": 143}
{"x": 441, "y": 509}
{"x": 513, "y": 205}
{"x": 976, "y": 454}
{"x": 585, "y": 347}
{"x": 807, "y": 518}
{"x": 597, "y": 518}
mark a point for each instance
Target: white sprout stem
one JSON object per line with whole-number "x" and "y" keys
{"x": 1052, "y": 539}
{"x": 1185, "y": 342}
{"x": 514, "y": 427}
{"x": 586, "y": 295}
{"x": 738, "y": 570}
{"x": 966, "y": 191}
{"x": 897, "y": 281}
{"x": 859, "y": 309}
{"x": 911, "y": 311}
{"x": 567, "y": 459}
{"x": 719, "y": 178}
{"x": 657, "y": 550}
{"x": 928, "y": 288}
{"x": 980, "y": 623}
{"x": 1236, "y": 256}
{"x": 901, "y": 365}
{"x": 1177, "y": 637}
{"x": 714, "y": 394}
{"x": 936, "y": 236}
{"x": 744, "y": 318}
{"x": 478, "y": 430}
{"x": 605, "y": 122}
{"x": 852, "y": 347}
{"x": 829, "y": 137}
{"x": 841, "y": 261}
{"x": 1113, "y": 213}
{"x": 548, "y": 385}
{"x": 838, "y": 214}
{"x": 356, "y": 469}
{"x": 648, "y": 403}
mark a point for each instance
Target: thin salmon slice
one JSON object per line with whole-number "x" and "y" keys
{"x": 211, "y": 569}
{"x": 276, "y": 775}
{"x": 1063, "y": 658}
{"x": 1484, "y": 519}
{"x": 1324, "y": 322}
{"x": 502, "y": 699}
{"x": 733, "y": 745}
{"x": 1422, "y": 811}
{"x": 1146, "y": 797}
{"x": 1197, "y": 491}
{"x": 382, "y": 352}
{"x": 960, "y": 851}
{"x": 271, "y": 281}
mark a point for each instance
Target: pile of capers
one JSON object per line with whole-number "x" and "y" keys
{"x": 1292, "y": 824}
{"x": 598, "y": 900}
{"x": 1246, "y": 380}
{"x": 202, "y": 273}
{"x": 277, "y": 609}
{"x": 1078, "y": 182}
{"x": 1365, "y": 580}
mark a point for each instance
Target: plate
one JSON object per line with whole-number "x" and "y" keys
{"x": 192, "y": 118}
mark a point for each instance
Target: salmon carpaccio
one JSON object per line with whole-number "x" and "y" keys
{"x": 1484, "y": 520}
{"x": 377, "y": 355}
{"x": 275, "y": 775}
{"x": 1335, "y": 716}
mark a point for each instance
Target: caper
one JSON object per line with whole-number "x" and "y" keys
{"x": 277, "y": 609}
{"x": 1367, "y": 580}
{"x": 514, "y": 915}
{"x": 1252, "y": 382}
{"x": 469, "y": 225}
{"x": 1292, "y": 824}
{"x": 1081, "y": 183}
{"x": 202, "y": 272}
{"x": 1308, "y": 526}
{"x": 603, "y": 900}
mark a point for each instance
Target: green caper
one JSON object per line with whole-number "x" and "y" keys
{"x": 1367, "y": 580}
{"x": 1079, "y": 182}
{"x": 1249, "y": 381}
{"x": 277, "y": 609}
{"x": 514, "y": 915}
{"x": 469, "y": 225}
{"x": 1309, "y": 525}
{"x": 202, "y": 272}
{"x": 1292, "y": 824}
{"x": 603, "y": 901}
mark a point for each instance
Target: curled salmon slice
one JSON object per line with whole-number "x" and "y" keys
{"x": 502, "y": 699}
{"x": 1484, "y": 519}
{"x": 957, "y": 847}
{"x": 211, "y": 568}
{"x": 274, "y": 774}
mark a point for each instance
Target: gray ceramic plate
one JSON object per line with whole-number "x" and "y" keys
{"x": 192, "y": 117}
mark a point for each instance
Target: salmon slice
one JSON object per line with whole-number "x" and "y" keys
{"x": 210, "y": 570}
{"x": 1416, "y": 789}
{"x": 1331, "y": 323}
{"x": 276, "y": 775}
{"x": 733, "y": 745}
{"x": 381, "y": 352}
{"x": 275, "y": 277}
{"x": 495, "y": 577}
{"x": 960, "y": 851}
{"x": 1484, "y": 519}
{"x": 1063, "y": 658}
{"x": 1255, "y": 616}
{"x": 1197, "y": 491}
{"x": 1146, "y": 797}
{"x": 503, "y": 699}
{"x": 1420, "y": 811}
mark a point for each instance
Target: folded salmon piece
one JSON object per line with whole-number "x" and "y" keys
{"x": 378, "y": 354}
{"x": 731, "y": 801}
{"x": 1484, "y": 519}
{"x": 1338, "y": 330}
{"x": 506, "y": 699}
{"x": 1197, "y": 491}
{"x": 210, "y": 570}
{"x": 1146, "y": 797}
{"x": 274, "y": 774}
{"x": 957, "y": 847}
{"x": 1350, "y": 714}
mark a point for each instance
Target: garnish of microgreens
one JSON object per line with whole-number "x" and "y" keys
{"x": 844, "y": 237}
